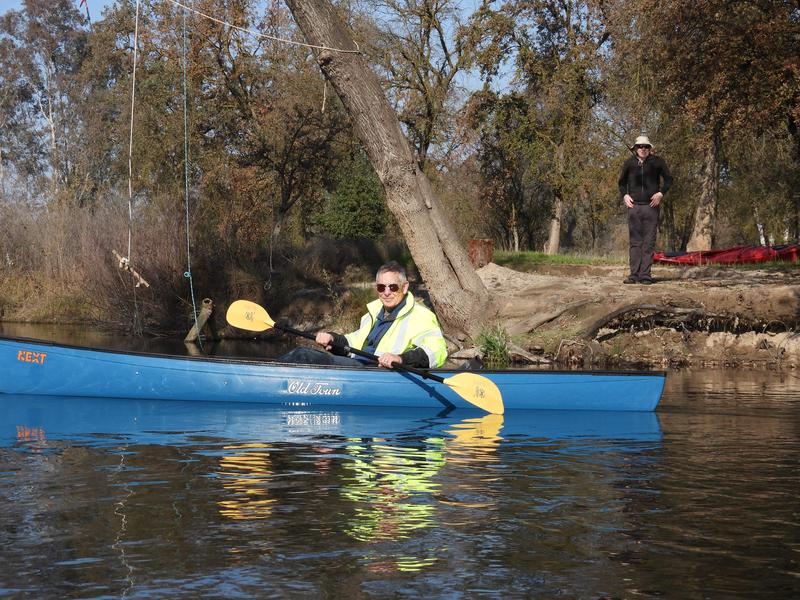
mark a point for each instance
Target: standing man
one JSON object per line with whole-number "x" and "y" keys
{"x": 396, "y": 327}
{"x": 644, "y": 180}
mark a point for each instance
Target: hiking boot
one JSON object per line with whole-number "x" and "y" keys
{"x": 646, "y": 281}
{"x": 630, "y": 280}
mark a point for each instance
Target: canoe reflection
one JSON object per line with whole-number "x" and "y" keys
{"x": 92, "y": 420}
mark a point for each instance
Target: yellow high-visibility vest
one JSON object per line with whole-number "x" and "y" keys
{"x": 415, "y": 326}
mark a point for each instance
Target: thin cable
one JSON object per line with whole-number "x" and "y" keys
{"x": 264, "y": 35}
{"x": 188, "y": 273}
{"x": 130, "y": 140}
{"x": 136, "y": 324}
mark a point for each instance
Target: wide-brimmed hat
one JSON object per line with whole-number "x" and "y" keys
{"x": 642, "y": 140}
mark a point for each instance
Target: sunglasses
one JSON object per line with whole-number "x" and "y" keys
{"x": 640, "y": 146}
{"x": 381, "y": 287}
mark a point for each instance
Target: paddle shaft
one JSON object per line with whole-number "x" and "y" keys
{"x": 372, "y": 357}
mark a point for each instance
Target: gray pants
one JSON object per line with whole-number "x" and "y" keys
{"x": 642, "y": 226}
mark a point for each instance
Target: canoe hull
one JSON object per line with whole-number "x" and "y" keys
{"x": 42, "y": 368}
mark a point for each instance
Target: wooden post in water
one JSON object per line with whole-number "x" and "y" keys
{"x": 201, "y": 323}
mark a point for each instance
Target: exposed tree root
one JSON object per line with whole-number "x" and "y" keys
{"x": 690, "y": 319}
{"x": 539, "y": 320}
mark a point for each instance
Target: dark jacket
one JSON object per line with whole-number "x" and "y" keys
{"x": 642, "y": 180}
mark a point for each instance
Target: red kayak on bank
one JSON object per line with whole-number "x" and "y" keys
{"x": 739, "y": 255}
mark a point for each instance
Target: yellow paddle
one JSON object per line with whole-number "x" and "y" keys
{"x": 476, "y": 390}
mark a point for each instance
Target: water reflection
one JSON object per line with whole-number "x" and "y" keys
{"x": 30, "y": 434}
{"x": 389, "y": 484}
{"x": 245, "y": 470}
{"x": 475, "y": 439}
{"x": 395, "y": 491}
{"x": 472, "y": 449}
{"x": 209, "y": 496}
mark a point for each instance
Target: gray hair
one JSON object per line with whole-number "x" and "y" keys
{"x": 393, "y": 267}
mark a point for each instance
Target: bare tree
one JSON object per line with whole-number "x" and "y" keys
{"x": 422, "y": 48}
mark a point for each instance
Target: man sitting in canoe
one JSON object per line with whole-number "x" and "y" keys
{"x": 396, "y": 327}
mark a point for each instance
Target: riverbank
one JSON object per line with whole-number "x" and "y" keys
{"x": 576, "y": 313}
{"x": 697, "y": 316}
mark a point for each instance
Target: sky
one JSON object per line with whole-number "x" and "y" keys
{"x": 96, "y": 9}
{"x": 95, "y": 6}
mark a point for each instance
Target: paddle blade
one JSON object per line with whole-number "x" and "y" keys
{"x": 477, "y": 390}
{"x": 249, "y": 315}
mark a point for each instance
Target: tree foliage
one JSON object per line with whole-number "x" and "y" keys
{"x": 556, "y": 47}
{"x": 421, "y": 47}
{"x": 558, "y": 91}
{"x": 41, "y": 53}
{"x": 356, "y": 206}
{"x": 729, "y": 69}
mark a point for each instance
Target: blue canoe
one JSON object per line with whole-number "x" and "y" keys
{"x": 35, "y": 367}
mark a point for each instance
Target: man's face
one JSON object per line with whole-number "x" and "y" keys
{"x": 642, "y": 151}
{"x": 393, "y": 290}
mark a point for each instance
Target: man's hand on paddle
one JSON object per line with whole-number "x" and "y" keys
{"x": 324, "y": 339}
{"x": 387, "y": 358}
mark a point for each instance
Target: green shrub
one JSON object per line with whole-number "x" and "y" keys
{"x": 494, "y": 344}
{"x": 356, "y": 208}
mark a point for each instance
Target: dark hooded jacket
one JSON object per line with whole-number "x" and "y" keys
{"x": 642, "y": 180}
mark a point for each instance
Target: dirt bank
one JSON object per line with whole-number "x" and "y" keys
{"x": 691, "y": 316}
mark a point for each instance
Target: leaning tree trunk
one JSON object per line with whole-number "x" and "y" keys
{"x": 705, "y": 215}
{"x": 458, "y": 295}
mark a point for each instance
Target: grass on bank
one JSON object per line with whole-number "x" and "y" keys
{"x": 521, "y": 260}
{"x": 781, "y": 266}
{"x": 494, "y": 344}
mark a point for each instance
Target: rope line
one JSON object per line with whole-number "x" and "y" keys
{"x": 265, "y": 35}
{"x": 188, "y": 273}
{"x": 130, "y": 139}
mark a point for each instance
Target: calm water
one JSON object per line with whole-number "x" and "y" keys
{"x": 113, "y": 499}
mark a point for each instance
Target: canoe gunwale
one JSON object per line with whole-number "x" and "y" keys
{"x": 267, "y": 362}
